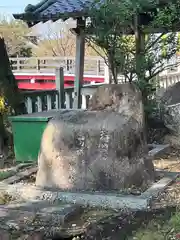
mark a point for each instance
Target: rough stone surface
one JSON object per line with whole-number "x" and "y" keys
{"x": 103, "y": 148}
{"x": 171, "y": 95}
{"x": 34, "y": 219}
{"x": 169, "y": 101}
{"x": 172, "y": 118}
{"x": 172, "y": 140}
{"x": 20, "y": 175}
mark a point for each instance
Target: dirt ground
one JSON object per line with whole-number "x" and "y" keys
{"x": 160, "y": 222}
{"x": 127, "y": 225}
{"x": 169, "y": 162}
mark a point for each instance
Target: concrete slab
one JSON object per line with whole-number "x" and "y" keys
{"x": 20, "y": 175}
{"x": 158, "y": 150}
{"x": 158, "y": 187}
{"x": 29, "y": 192}
{"x": 16, "y": 217}
{"x": 104, "y": 200}
{"x": 11, "y": 171}
{"x": 114, "y": 201}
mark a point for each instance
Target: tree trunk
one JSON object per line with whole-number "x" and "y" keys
{"x": 2, "y": 138}
{"x": 8, "y": 84}
{"x": 8, "y": 92}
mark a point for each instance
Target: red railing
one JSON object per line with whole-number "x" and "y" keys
{"x": 47, "y": 81}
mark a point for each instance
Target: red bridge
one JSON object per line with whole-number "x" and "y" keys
{"x": 39, "y": 73}
{"x": 45, "y": 81}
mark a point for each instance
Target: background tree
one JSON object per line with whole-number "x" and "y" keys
{"x": 14, "y": 33}
{"x": 10, "y": 99}
{"x": 132, "y": 48}
{"x": 58, "y": 41}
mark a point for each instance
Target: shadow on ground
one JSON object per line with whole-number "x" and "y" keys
{"x": 125, "y": 226}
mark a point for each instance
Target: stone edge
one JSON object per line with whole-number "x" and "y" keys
{"x": 158, "y": 150}
{"x": 114, "y": 201}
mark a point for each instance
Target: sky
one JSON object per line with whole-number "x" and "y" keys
{"x": 8, "y": 7}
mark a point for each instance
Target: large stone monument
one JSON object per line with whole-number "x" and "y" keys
{"x": 103, "y": 148}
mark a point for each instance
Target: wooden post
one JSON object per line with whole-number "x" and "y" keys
{"x": 49, "y": 102}
{"x": 98, "y": 67}
{"x": 29, "y": 105}
{"x": 140, "y": 47}
{"x": 106, "y": 74}
{"x": 140, "y": 60}
{"x": 18, "y": 67}
{"x": 39, "y": 104}
{"x": 60, "y": 87}
{"x": 38, "y": 65}
{"x": 79, "y": 64}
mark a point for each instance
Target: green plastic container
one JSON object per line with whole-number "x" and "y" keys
{"x": 27, "y": 132}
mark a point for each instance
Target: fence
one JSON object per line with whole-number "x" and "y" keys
{"x": 163, "y": 80}
{"x": 38, "y": 101}
{"x": 168, "y": 80}
{"x": 92, "y": 65}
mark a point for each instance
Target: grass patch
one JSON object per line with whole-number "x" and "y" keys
{"x": 163, "y": 226}
{"x": 5, "y": 174}
{"x": 5, "y": 198}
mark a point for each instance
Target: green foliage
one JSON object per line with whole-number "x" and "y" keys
{"x": 5, "y": 174}
{"x": 5, "y": 198}
{"x": 157, "y": 229}
{"x": 3, "y": 107}
{"x": 142, "y": 56}
{"x": 10, "y": 97}
{"x": 8, "y": 86}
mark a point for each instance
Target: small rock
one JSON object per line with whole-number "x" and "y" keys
{"x": 76, "y": 238}
{"x": 12, "y": 225}
{"x": 29, "y": 229}
{"x": 135, "y": 192}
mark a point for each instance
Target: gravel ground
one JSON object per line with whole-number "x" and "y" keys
{"x": 115, "y": 229}
{"x": 171, "y": 197}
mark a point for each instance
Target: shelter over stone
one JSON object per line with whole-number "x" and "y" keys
{"x": 80, "y": 9}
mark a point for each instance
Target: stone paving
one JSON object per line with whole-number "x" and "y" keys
{"x": 36, "y": 216}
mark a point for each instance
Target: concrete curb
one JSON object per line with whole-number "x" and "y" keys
{"x": 29, "y": 192}
{"x": 104, "y": 200}
{"x": 158, "y": 150}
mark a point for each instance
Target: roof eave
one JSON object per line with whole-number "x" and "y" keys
{"x": 33, "y": 19}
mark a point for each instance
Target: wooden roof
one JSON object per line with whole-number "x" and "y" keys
{"x": 55, "y": 9}
{"x": 63, "y": 9}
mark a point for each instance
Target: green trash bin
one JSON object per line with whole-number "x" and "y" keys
{"x": 27, "y": 132}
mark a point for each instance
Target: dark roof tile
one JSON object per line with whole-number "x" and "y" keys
{"x": 55, "y": 9}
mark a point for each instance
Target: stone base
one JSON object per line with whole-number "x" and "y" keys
{"x": 105, "y": 200}
{"x": 37, "y": 217}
